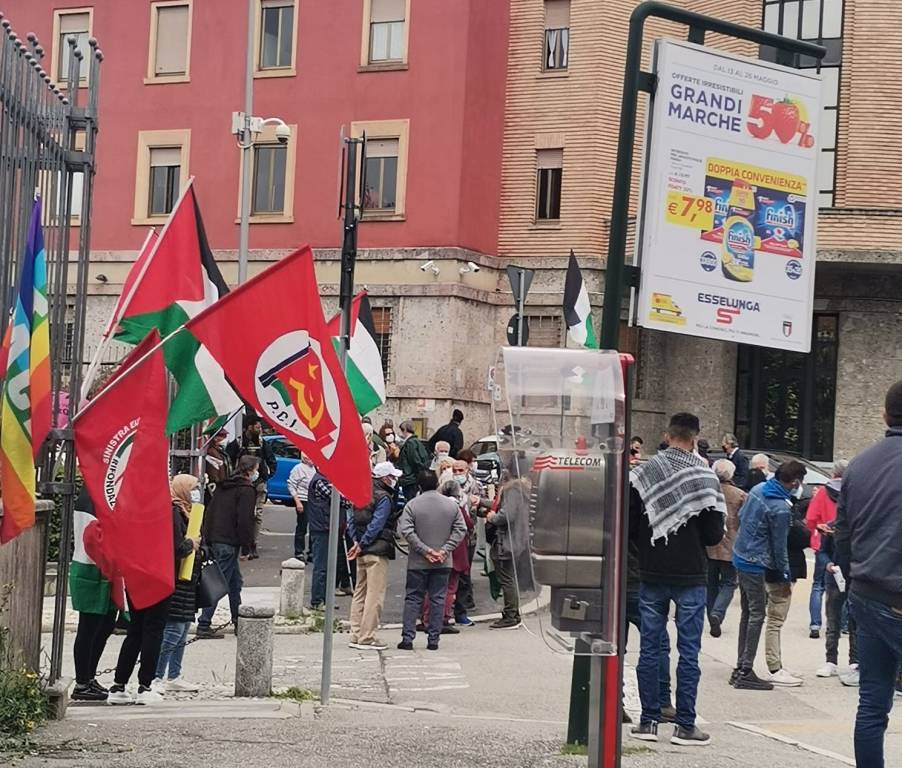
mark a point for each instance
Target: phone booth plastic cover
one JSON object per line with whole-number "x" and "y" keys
{"x": 559, "y": 416}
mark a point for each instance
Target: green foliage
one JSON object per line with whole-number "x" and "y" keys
{"x": 294, "y": 693}
{"x": 23, "y": 705}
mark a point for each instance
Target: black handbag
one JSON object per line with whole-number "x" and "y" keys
{"x": 211, "y": 584}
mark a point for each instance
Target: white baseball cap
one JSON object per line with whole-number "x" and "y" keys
{"x": 386, "y": 468}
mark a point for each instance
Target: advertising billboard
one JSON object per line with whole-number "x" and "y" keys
{"x": 729, "y": 207}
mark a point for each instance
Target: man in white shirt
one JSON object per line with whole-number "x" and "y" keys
{"x": 298, "y": 484}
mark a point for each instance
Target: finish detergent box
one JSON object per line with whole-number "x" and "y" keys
{"x": 779, "y": 222}
{"x": 717, "y": 190}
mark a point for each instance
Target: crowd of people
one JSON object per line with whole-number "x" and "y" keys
{"x": 700, "y": 528}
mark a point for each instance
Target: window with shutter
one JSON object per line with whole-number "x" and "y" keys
{"x": 549, "y": 178}
{"x": 387, "y": 31}
{"x": 170, "y": 40}
{"x": 557, "y": 34}
{"x": 71, "y": 22}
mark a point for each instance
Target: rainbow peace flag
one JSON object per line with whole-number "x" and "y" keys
{"x": 25, "y": 405}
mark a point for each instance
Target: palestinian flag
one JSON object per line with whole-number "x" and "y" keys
{"x": 177, "y": 281}
{"x": 89, "y": 589}
{"x": 577, "y": 310}
{"x": 364, "y": 368}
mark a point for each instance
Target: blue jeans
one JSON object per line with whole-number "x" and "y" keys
{"x": 632, "y": 617}
{"x": 817, "y": 588}
{"x": 319, "y": 545}
{"x": 227, "y": 557}
{"x": 654, "y": 606}
{"x": 423, "y": 582}
{"x": 722, "y": 583}
{"x": 172, "y": 649}
{"x": 879, "y": 656}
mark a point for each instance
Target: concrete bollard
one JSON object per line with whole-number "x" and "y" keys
{"x": 291, "y": 597}
{"x": 253, "y": 662}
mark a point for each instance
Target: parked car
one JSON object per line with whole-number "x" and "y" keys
{"x": 815, "y": 476}
{"x": 287, "y": 456}
{"x": 488, "y": 462}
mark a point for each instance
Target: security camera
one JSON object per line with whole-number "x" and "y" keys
{"x": 283, "y": 134}
{"x": 470, "y": 267}
{"x": 427, "y": 266}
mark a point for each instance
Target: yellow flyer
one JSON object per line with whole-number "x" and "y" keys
{"x": 195, "y": 520}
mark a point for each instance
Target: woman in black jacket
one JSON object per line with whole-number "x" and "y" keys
{"x": 183, "y": 605}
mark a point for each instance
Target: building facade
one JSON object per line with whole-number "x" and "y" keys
{"x": 492, "y": 129}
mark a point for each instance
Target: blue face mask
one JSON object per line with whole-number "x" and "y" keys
{"x": 461, "y": 479}
{"x": 255, "y": 477}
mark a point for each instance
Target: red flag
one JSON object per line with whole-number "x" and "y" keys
{"x": 287, "y": 369}
{"x": 121, "y": 445}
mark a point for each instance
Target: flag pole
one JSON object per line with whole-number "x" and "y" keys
{"x": 115, "y": 317}
{"x": 346, "y": 297}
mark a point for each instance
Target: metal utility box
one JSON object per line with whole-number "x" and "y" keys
{"x": 560, "y": 415}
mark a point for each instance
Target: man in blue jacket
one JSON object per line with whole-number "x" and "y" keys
{"x": 318, "y": 509}
{"x": 762, "y": 545}
{"x": 869, "y": 548}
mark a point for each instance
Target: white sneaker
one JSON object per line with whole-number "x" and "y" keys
{"x": 148, "y": 696}
{"x": 828, "y": 670}
{"x": 851, "y": 678}
{"x": 158, "y": 685}
{"x": 119, "y": 697}
{"x": 182, "y": 686}
{"x": 782, "y": 678}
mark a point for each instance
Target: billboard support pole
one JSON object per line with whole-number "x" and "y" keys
{"x": 634, "y": 81}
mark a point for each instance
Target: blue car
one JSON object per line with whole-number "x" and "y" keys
{"x": 287, "y": 456}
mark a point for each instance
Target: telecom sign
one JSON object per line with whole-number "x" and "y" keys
{"x": 727, "y": 245}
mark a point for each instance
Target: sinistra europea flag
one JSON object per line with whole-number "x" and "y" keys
{"x": 25, "y": 406}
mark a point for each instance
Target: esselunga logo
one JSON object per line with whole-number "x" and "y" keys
{"x": 296, "y": 389}
{"x": 547, "y": 461}
{"x": 728, "y": 308}
{"x": 116, "y": 456}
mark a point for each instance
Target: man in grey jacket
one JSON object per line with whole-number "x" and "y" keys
{"x": 433, "y": 526}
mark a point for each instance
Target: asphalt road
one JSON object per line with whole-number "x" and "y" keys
{"x": 276, "y": 544}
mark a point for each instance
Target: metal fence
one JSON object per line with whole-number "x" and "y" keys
{"x": 47, "y": 148}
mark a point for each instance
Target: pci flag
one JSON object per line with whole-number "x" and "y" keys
{"x": 25, "y": 398}
{"x": 177, "y": 280}
{"x": 287, "y": 369}
{"x": 121, "y": 444}
{"x": 363, "y": 371}
{"x": 577, "y": 309}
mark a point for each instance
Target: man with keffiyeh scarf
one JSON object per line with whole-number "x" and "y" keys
{"x": 677, "y": 509}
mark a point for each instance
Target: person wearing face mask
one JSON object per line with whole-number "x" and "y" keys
{"x": 217, "y": 464}
{"x": 392, "y": 449}
{"x": 253, "y": 444}
{"x": 183, "y": 606}
{"x": 762, "y": 545}
{"x": 442, "y": 454}
{"x": 229, "y": 526}
{"x": 372, "y": 529}
{"x": 377, "y": 452}
{"x": 474, "y": 495}
{"x": 146, "y": 627}
{"x": 412, "y": 459}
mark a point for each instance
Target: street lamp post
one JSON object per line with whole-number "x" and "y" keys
{"x": 245, "y": 126}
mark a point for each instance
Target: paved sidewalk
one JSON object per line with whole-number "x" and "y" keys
{"x": 485, "y": 698}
